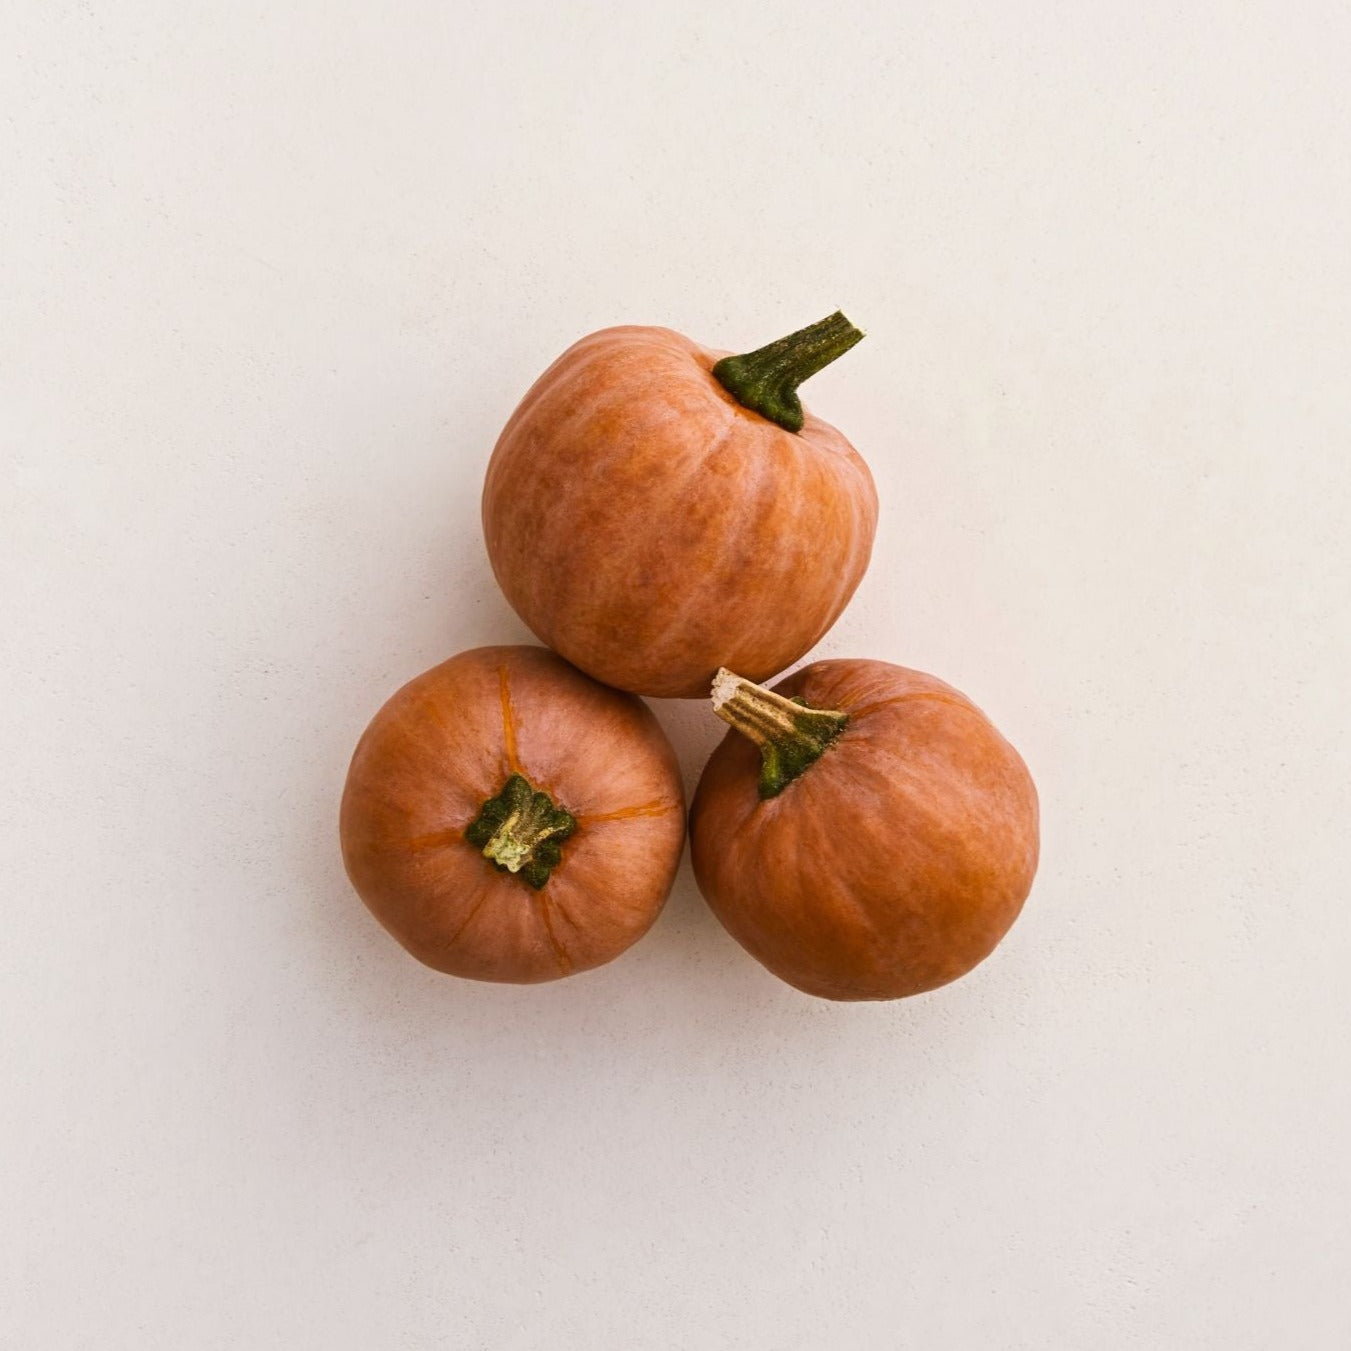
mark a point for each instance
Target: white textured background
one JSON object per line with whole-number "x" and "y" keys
{"x": 271, "y": 278}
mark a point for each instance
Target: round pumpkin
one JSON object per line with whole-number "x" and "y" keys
{"x": 864, "y": 831}
{"x": 652, "y": 503}
{"x": 507, "y": 818}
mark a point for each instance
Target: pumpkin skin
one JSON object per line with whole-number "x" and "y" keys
{"x": 648, "y": 527}
{"x": 892, "y": 864}
{"x": 444, "y": 745}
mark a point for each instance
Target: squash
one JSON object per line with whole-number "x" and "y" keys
{"x": 864, "y": 831}
{"x": 507, "y": 818}
{"x": 649, "y": 506}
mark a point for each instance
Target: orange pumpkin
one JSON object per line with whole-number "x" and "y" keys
{"x": 865, "y": 832}
{"x": 650, "y": 507}
{"x": 507, "y": 818}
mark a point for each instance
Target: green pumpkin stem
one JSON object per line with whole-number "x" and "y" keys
{"x": 791, "y": 736}
{"x": 521, "y": 831}
{"x": 766, "y": 380}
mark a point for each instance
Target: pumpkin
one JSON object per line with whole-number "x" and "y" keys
{"x": 651, "y": 503}
{"x": 864, "y": 831}
{"x": 507, "y": 818}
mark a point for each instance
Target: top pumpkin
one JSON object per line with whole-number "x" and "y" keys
{"x": 655, "y": 510}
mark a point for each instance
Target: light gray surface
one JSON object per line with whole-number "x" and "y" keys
{"x": 272, "y": 279}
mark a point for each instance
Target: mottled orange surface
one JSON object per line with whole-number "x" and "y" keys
{"x": 893, "y": 864}
{"x": 443, "y": 745}
{"x": 650, "y": 529}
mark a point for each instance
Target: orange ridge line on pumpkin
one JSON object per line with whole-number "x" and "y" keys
{"x": 563, "y": 910}
{"x": 468, "y": 919}
{"x": 654, "y": 808}
{"x": 933, "y": 697}
{"x": 435, "y": 840}
{"x": 508, "y": 721}
{"x": 560, "y": 956}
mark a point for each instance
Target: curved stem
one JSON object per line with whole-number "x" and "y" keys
{"x": 790, "y": 735}
{"x": 766, "y": 380}
{"x": 521, "y": 830}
